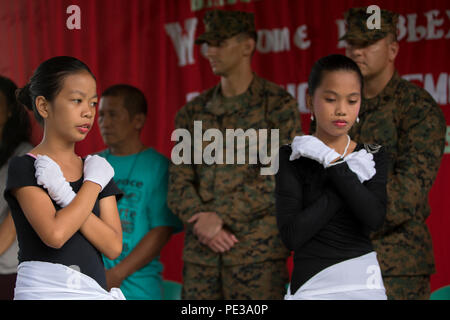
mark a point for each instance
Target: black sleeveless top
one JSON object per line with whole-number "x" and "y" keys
{"x": 77, "y": 251}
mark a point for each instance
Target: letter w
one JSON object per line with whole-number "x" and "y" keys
{"x": 183, "y": 43}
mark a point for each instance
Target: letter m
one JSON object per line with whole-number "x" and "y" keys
{"x": 183, "y": 43}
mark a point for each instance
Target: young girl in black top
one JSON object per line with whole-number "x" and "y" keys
{"x": 64, "y": 207}
{"x": 331, "y": 192}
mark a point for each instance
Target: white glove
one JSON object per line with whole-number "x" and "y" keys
{"x": 312, "y": 148}
{"x": 361, "y": 163}
{"x": 98, "y": 170}
{"x": 49, "y": 175}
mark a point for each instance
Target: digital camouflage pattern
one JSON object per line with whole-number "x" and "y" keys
{"x": 357, "y": 29}
{"x": 408, "y": 122}
{"x": 261, "y": 281}
{"x": 407, "y": 288}
{"x": 221, "y": 25}
{"x": 238, "y": 193}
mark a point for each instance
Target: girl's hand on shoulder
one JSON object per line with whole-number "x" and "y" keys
{"x": 362, "y": 164}
{"x": 49, "y": 175}
{"x": 313, "y": 148}
{"x": 98, "y": 170}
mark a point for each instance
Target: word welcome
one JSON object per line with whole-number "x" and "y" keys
{"x": 283, "y": 38}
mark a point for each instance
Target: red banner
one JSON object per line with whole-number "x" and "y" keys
{"x": 150, "y": 44}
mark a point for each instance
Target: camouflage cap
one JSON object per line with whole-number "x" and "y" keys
{"x": 221, "y": 25}
{"x": 358, "y": 30}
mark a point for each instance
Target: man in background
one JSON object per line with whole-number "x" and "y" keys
{"x": 142, "y": 174}
{"x": 232, "y": 247}
{"x": 406, "y": 119}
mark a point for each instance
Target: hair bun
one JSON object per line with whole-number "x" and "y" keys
{"x": 23, "y": 96}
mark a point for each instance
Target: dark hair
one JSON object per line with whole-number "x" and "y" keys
{"x": 133, "y": 98}
{"x": 248, "y": 34}
{"x": 333, "y": 62}
{"x": 47, "y": 81}
{"x": 17, "y": 128}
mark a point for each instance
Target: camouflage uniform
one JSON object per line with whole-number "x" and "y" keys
{"x": 255, "y": 267}
{"x": 240, "y": 195}
{"x": 405, "y": 119}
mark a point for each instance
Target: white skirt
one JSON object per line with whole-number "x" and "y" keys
{"x": 38, "y": 280}
{"x": 354, "y": 279}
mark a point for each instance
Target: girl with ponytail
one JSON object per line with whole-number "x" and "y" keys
{"x": 64, "y": 207}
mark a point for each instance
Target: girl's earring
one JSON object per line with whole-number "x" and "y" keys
{"x": 357, "y": 120}
{"x": 312, "y": 117}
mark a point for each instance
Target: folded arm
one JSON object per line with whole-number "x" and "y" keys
{"x": 367, "y": 201}
{"x": 298, "y": 224}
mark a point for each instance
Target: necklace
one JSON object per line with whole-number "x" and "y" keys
{"x": 136, "y": 156}
{"x": 346, "y": 148}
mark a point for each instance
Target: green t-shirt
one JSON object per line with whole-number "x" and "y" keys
{"x": 143, "y": 178}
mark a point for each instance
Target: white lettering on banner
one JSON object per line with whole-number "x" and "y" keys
{"x": 197, "y": 5}
{"x": 191, "y": 95}
{"x": 401, "y": 28}
{"x": 275, "y": 40}
{"x": 341, "y": 31}
{"x": 407, "y": 28}
{"x": 269, "y": 40}
{"x": 300, "y": 36}
{"x": 414, "y": 33}
{"x": 203, "y": 50}
{"x": 74, "y": 20}
{"x": 447, "y": 140}
{"x": 439, "y": 91}
{"x": 374, "y": 21}
{"x": 448, "y": 15}
{"x": 298, "y": 91}
{"x": 183, "y": 43}
{"x": 278, "y": 39}
{"x": 432, "y": 24}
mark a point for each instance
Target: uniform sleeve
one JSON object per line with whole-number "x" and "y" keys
{"x": 286, "y": 117}
{"x": 296, "y": 223}
{"x": 111, "y": 189}
{"x": 421, "y": 145}
{"x": 160, "y": 214}
{"x": 182, "y": 197}
{"x": 367, "y": 201}
{"x": 248, "y": 203}
{"x": 253, "y": 197}
{"x": 20, "y": 173}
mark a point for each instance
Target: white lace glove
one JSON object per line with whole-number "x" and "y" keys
{"x": 49, "y": 175}
{"x": 98, "y": 170}
{"x": 361, "y": 163}
{"x": 312, "y": 148}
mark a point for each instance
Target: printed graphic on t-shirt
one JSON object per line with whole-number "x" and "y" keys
{"x": 129, "y": 204}
{"x": 127, "y": 219}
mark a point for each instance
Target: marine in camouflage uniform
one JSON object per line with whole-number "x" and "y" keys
{"x": 405, "y": 119}
{"x": 255, "y": 267}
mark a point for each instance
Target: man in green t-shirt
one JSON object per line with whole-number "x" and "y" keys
{"x": 142, "y": 174}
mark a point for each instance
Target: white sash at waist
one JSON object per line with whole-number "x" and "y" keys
{"x": 354, "y": 279}
{"x": 37, "y": 280}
